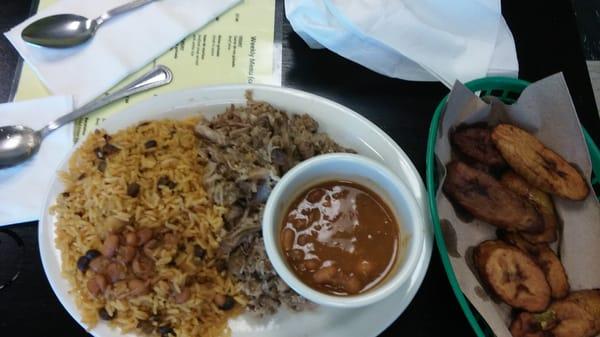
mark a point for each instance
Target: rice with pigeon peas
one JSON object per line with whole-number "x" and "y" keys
{"x": 138, "y": 234}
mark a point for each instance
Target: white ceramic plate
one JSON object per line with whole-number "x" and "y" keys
{"x": 344, "y": 126}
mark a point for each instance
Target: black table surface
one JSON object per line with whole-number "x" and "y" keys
{"x": 547, "y": 42}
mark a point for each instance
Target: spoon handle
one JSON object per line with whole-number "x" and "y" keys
{"x": 121, "y": 9}
{"x": 158, "y": 76}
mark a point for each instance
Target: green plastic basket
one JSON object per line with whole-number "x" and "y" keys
{"x": 508, "y": 90}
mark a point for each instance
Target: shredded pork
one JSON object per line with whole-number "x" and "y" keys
{"x": 246, "y": 150}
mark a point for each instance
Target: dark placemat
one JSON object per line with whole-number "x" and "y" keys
{"x": 547, "y": 42}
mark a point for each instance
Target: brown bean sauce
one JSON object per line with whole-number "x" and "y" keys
{"x": 340, "y": 238}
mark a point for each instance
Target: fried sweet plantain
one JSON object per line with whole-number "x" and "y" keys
{"x": 512, "y": 275}
{"x": 539, "y": 165}
{"x": 484, "y": 197}
{"x": 562, "y": 319}
{"x": 577, "y": 315}
{"x": 540, "y": 200}
{"x": 476, "y": 143}
{"x": 526, "y": 325}
{"x": 588, "y": 300}
{"x": 573, "y": 320}
{"x": 543, "y": 255}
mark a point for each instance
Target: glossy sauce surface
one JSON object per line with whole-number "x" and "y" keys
{"x": 340, "y": 238}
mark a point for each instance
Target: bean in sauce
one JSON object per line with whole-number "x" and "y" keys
{"x": 340, "y": 238}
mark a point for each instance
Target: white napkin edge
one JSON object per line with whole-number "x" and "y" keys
{"x": 504, "y": 60}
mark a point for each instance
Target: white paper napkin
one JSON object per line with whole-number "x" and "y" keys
{"x": 23, "y": 187}
{"x": 120, "y": 47}
{"x": 420, "y": 40}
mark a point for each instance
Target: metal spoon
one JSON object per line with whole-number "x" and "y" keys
{"x": 67, "y": 30}
{"x": 18, "y": 143}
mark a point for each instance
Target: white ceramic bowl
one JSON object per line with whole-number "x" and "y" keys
{"x": 369, "y": 173}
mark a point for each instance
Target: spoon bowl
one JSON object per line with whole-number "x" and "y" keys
{"x": 17, "y": 144}
{"x": 60, "y": 31}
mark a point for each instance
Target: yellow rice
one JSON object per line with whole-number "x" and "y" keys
{"x": 92, "y": 196}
